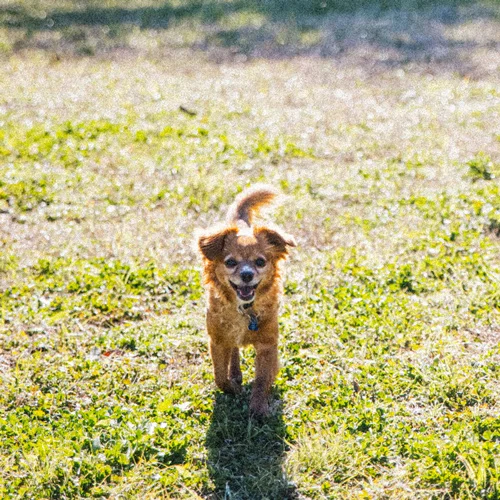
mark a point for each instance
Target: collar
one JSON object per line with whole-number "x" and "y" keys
{"x": 253, "y": 319}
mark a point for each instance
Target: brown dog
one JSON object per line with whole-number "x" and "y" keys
{"x": 241, "y": 270}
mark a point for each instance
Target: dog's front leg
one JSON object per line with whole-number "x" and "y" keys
{"x": 221, "y": 356}
{"x": 266, "y": 369}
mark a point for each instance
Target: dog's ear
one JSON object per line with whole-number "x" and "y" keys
{"x": 211, "y": 245}
{"x": 277, "y": 239}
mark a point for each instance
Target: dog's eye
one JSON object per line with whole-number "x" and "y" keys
{"x": 230, "y": 263}
{"x": 260, "y": 262}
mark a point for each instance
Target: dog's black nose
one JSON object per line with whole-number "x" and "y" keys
{"x": 246, "y": 276}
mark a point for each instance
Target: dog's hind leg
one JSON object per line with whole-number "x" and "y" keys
{"x": 234, "y": 366}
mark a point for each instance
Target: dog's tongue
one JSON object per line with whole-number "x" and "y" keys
{"x": 245, "y": 292}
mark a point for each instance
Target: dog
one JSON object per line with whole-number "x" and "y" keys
{"x": 241, "y": 271}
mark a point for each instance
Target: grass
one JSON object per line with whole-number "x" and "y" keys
{"x": 126, "y": 126}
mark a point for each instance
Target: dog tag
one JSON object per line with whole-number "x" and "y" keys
{"x": 254, "y": 324}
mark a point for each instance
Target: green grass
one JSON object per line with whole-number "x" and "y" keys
{"x": 384, "y": 140}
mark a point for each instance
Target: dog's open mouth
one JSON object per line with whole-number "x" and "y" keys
{"x": 246, "y": 293}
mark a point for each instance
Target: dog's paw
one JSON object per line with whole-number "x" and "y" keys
{"x": 237, "y": 387}
{"x": 233, "y": 387}
{"x": 259, "y": 408}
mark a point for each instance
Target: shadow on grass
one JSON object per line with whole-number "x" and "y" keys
{"x": 377, "y": 33}
{"x": 49, "y": 16}
{"x": 245, "y": 457}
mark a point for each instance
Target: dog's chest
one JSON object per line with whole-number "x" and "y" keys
{"x": 233, "y": 327}
{"x": 239, "y": 334}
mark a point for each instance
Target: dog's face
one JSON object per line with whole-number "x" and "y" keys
{"x": 245, "y": 260}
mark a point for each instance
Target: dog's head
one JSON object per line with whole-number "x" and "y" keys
{"x": 245, "y": 260}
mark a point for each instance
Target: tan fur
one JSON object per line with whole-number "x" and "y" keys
{"x": 228, "y": 324}
{"x": 248, "y": 203}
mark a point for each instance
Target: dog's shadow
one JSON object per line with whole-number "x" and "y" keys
{"x": 245, "y": 456}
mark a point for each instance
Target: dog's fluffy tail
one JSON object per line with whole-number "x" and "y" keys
{"x": 248, "y": 203}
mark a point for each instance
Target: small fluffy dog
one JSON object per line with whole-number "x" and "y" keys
{"x": 241, "y": 270}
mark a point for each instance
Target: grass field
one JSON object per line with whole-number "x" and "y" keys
{"x": 379, "y": 122}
